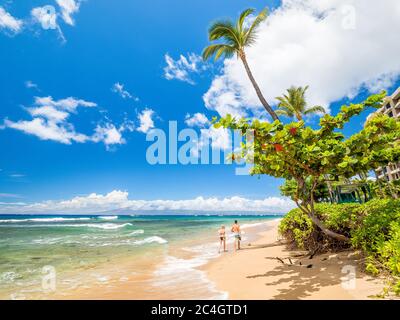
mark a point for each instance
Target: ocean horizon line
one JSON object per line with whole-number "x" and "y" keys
{"x": 183, "y": 214}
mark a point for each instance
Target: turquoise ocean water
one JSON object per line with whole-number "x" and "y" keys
{"x": 95, "y": 256}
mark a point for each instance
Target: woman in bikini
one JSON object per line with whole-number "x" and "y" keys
{"x": 222, "y": 238}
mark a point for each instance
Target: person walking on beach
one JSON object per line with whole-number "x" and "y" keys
{"x": 236, "y": 230}
{"x": 222, "y": 238}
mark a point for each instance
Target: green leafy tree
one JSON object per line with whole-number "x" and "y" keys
{"x": 307, "y": 156}
{"x": 235, "y": 38}
{"x": 294, "y": 105}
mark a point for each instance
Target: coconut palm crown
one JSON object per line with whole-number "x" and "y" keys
{"x": 293, "y": 104}
{"x": 235, "y": 37}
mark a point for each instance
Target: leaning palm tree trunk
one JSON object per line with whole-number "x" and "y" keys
{"x": 257, "y": 88}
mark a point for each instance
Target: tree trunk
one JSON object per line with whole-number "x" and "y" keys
{"x": 330, "y": 189}
{"x": 264, "y": 102}
{"x": 319, "y": 224}
{"x": 328, "y": 232}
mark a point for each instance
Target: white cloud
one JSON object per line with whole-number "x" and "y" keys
{"x": 69, "y": 104}
{"x": 68, "y": 8}
{"x": 220, "y": 138}
{"x": 9, "y": 195}
{"x": 313, "y": 42}
{"x": 31, "y": 85}
{"x": 119, "y": 88}
{"x": 47, "y": 18}
{"x": 120, "y": 200}
{"x": 182, "y": 68}
{"x": 50, "y": 121}
{"x": 50, "y": 113}
{"x": 146, "y": 121}
{"x": 8, "y": 22}
{"x": 48, "y": 130}
{"x": 108, "y": 134}
{"x": 197, "y": 120}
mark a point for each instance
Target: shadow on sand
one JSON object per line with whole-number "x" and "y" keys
{"x": 299, "y": 281}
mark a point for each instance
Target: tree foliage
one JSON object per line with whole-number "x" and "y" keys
{"x": 308, "y": 156}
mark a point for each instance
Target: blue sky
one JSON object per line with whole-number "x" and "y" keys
{"x": 102, "y": 43}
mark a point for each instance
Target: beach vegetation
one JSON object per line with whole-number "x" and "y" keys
{"x": 373, "y": 227}
{"x": 308, "y": 158}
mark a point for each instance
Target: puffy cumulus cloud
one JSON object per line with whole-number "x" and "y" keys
{"x": 108, "y": 134}
{"x": 220, "y": 138}
{"x": 146, "y": 120}
{"x": 50, "y": 113}
{"x": 46, "y": 129}
{"x": 50, "y": 121}
{"x": 196, "y": 120}
{"x": 117, "y": 199}
{"x": 8, "y": 22}
{"x": 337, "y": 47}
{"x": 182, "y": 68}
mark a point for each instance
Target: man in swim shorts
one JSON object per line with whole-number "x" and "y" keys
{"x": 236, "y": 230}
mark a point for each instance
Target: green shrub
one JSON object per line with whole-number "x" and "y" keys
{"x": 297, "y": 227}
{"x": 374, "y": 220}
{"x": 373, "y": 227}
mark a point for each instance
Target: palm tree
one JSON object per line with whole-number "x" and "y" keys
{"x": 293, "y": 104}
{"x": 237, "y": 36}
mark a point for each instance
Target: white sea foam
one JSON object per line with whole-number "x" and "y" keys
{"x": 9, "y": 276}
{"x": 183, "y": 273}
{"x": 104, "y": 226}
{"x": 108, "y": 217}
{"x": 128, "y": 242}
{"x": 57, "y": 219}
{"x": 152, "y": 239}
{"x": 136, "y": 232}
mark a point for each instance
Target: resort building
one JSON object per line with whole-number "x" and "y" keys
{"x": 391, "y": 107}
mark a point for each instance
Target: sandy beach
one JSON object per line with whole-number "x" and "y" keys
{"x": 255, "y": 273}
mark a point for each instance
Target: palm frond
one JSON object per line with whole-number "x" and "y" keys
{"x": 218, "y": 50}
{"x": 243, "y": 17}
{"x": 225, "y": 30}
{"x": 251, "y": 32}
{"x": 226, "y": 51}
{"x": 315, "y": 109}
{"x": 285, "y": 113}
